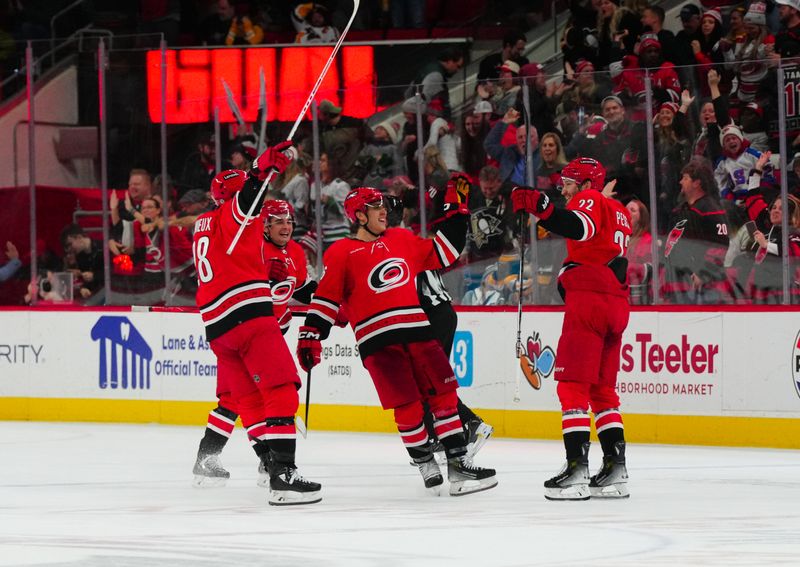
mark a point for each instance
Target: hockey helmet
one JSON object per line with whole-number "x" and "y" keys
{"x": 359, "y": 199}
{"x": 278, "y": 209}
{"x": 226, "y": 184}
{"x": 585, "y": 169}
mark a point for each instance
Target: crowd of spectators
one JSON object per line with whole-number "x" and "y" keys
{"x": 714, "y": 156}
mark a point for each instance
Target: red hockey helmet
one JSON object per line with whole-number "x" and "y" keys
{"x": 585, "y": 169}
{"x": 359, "y": 199}
{"x": 277, "y": 208}
{"x": 226, "y": 184}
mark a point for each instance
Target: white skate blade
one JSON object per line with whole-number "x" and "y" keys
{"x": 483, "y": 433}
{"x": 464, "y": 487}
{"x": 201, "y": 481}
{"x": 293, "y": 498}
{"x": 619, "y": 490}
{"x": 435, "y": 490}
{"x": 574, "y": 492}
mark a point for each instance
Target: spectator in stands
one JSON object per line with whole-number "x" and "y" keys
{"x": 708, "y": 50}
{"x": 579, "y": 40}
{"x": 682, "y": 54}
{"x": 629, "y": 85}
{"x": 736, "y": 162}
{"x": 587, "y": 93}
{"x": 313, "y": 24}
{"x": 200, "y": 167}
{"x": 751, "y": 119}
{"x": 242, "y": 153}
{"x": 124, "y": 212}
{"x": 247, "y": 26}
{"x": 507, "y": 89}
{"x": 432, "y": 78}
{"x": 150, "y": 238}
{"x": 620, "y": 147}
{"x": 332, "y": 194}
{"x": 380, "y": 157}
{"x": 408, "y": 142}
{"x": 787, "y": 41}
{"x": 442, "y": 136}
{"x": 552, "y": 161}
{"x": 215, "y": 28}
{"x": 713, "y": 115}
{"x": 640, "y": 253}
{"x": 618, "y": 29}
{"x": 193, "y": 204}
{"x": 653, "y": 22}
{"x": 472, "y": 154}
{"x": 341, "y": 137}
{"x": 544, "y": 97}
{"x": 491, "y": 218}
{"x": 488, "y": 293}
{"x": 293, "y": 187}
{"x": 698, "y": 241}
{"x": 514, "y": 44}
{"x": 13, "y": 264}
{"x": 673, "y": 149}
{"x": 512, "y": 159}
{"x": 736, "y": 31}
{"x": 748, "y": 57}
{"x": 89, "y": 263}
{"x": 407, "y": 13}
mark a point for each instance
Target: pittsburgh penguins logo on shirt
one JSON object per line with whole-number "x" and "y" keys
{"x": 389, "y": 274}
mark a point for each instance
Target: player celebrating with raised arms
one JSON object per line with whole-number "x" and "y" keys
{"x": 234, "y": 298}
{"x": 285, "y": 264}
{"x": 371, "y": 275}
{"x": 593, "y": 284}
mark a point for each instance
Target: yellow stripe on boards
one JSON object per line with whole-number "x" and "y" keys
{"x": 639, "y": 428}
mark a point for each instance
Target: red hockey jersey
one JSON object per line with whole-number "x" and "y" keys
{"x": 295, "y": 259}
{"x": 235, "y": 288}
{"x": 606, "y": 235}
{"x": 375, "y": 283}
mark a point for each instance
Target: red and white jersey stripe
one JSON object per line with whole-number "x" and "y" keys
{"x": 608, "y": 419}
{"x": 574, "y": 421}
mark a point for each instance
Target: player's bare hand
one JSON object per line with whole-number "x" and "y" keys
{"x": 608, "y": 190}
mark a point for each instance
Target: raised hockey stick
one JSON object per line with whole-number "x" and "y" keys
{"x": 262, "y": 105}
{"x": 299, "y": 119}
{"x": 237, "y": 112}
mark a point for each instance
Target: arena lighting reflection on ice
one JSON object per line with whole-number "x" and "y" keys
{"x": 194, "y": 84}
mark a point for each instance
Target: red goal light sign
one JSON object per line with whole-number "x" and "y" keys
{"x": 194, "y": 85}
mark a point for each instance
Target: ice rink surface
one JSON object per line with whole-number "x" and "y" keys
{"x": 121, "y": 495}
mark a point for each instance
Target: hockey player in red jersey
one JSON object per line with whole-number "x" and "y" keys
{"x": 371, "y": 275}
{"x": 593, "y": 283}
{"x": 285, "y": 264}
{"x": 234, "y": 298}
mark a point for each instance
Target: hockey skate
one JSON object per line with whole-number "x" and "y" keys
{"x": 431, "y": 474}
{"x": 611, "y": 481}
{"x": 263, "y": 476}
{"x": 466, "y": 478}
{"x": 572, "y": 483}
{"x": 478, "y": 433}
{"x": 209, "y": 472}
{"x": 287, "y": 488}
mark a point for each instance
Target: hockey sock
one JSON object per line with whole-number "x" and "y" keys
{"x": 428, "y": 419}
{"x": 281, "y": 438}
{"x": 221, "y": 422}
{"x": 609, "y": 429}
{"x": 416, "y": 441}
{"x": 575, "y": 427}
{"x": 450, "y": 432}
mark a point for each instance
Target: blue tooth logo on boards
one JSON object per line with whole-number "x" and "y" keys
{"x": 124, "y": 356}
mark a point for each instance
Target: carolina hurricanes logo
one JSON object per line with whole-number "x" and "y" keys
{"x": 282, "y": 291}
{"x": 389, "y": 274}
{"x": 674, "y": 235}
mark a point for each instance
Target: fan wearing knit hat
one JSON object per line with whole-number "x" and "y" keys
{"x": 751, "y": 119}
{"x": 748, "y": 58}
{"x": 733, "y": 170}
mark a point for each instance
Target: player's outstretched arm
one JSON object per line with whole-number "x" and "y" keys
{"x": 566, "y": 223}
